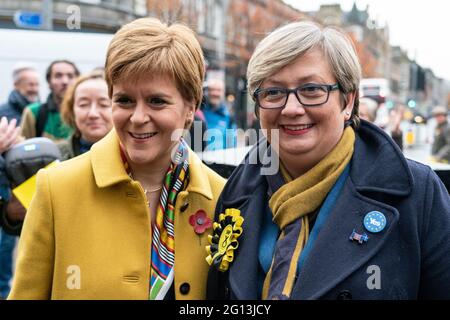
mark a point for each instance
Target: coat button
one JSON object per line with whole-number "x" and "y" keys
{"x": 184, "y": 288}
{"x": 344, "y": 295}
{"x": 184, "y": 207}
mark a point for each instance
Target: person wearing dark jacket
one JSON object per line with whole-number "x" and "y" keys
{"x": 44, "y": 120}
{"x": 221, "y": 132}
{"x": 344, "y": 215}
{"x": 9, "y": 205}
{"x": 26, "y": 91}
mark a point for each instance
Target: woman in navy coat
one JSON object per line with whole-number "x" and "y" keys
{"x": 325, "y": 206}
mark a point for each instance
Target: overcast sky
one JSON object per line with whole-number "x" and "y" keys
{"x": 421, "y": 27}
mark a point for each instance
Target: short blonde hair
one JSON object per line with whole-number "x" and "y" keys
{"x": 147, "y": 46}
{"x": 68, "y": 103}
{"x": 287, "y": 43}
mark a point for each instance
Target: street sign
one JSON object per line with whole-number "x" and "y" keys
{"x": 27, "y": 19}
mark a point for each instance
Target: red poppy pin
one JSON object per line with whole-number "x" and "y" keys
{"x": 200, "y": 222}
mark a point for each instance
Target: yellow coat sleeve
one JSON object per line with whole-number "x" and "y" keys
{"x": 35, "y": 260}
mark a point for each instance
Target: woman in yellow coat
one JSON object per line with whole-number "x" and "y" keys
{"x": 129, "y": 219}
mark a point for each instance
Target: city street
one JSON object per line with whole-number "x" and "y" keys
{"x": 224, "y": 150}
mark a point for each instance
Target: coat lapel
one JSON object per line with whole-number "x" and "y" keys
{"x": 333, "y": 256}
{"x": 243, "y": 277}
{"x": 106, "y": 162}
{"x": 243, "y": 273}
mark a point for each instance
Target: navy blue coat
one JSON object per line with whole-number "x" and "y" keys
{"x": 412, "y": 253}
{"x": 14, "y": 107}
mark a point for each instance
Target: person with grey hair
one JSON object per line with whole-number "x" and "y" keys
{"x": 345, "y": 215}
{"x": 26, "y": 91}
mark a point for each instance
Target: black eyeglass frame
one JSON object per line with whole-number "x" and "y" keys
{"x": 329, "y": 87}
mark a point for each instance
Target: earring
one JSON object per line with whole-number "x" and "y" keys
{"x": 347, "y": 113}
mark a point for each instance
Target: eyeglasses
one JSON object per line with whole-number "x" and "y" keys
{"x": 309, "y": 95}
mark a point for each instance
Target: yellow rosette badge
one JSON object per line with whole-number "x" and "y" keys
{"x": 223, "y": 242}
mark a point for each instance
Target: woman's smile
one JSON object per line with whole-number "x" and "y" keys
{"x": 297, "y": 130}
{"x": 142, "y": 137}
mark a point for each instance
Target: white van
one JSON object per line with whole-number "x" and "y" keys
{"x": 375, "y": 88}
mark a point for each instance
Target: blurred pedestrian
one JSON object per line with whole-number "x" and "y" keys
{"x": 45, "y": 119}
{"x": 9, "y": 135}
{"x": 221, "y": 132}
{"x": 368, "y": 111}
{"x": 26, "y": 91}
{"x": 138, "y": 223}
{"x": 382, "y": 118}
{"x": 395, "y": 121}
{"x": 345, "y": 215}
{"x": 86, "y": 108}
{"x": 440, "y": 150}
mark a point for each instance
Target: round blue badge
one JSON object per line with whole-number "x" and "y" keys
{"x": 374, "y": 221}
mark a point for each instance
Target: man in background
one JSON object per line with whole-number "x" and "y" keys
{"x": 221, "y": 132}
{"x": 44, "y": 120}
{"x": 26, "y": 91}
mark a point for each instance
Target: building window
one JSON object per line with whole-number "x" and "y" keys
{"x": 210, "y": 17}
{"x": 218, "y": 19}
{"x": 201, "y": 16}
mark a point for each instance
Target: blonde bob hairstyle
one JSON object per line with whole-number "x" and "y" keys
{"x": 146, "y": 46}
{"x": 282, "y": 46}
{"x": 68, "y": 103}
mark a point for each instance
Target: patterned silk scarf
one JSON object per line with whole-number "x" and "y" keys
{"x": 163, "y": 237}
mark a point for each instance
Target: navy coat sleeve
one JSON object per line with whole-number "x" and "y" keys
{"x": 435, "y": 241}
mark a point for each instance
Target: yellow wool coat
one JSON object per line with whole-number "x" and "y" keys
{"x": 87, "y": 233}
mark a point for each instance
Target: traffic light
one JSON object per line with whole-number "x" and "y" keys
{"x": 390, "y": 104}
{"x": 412, "y": 103}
